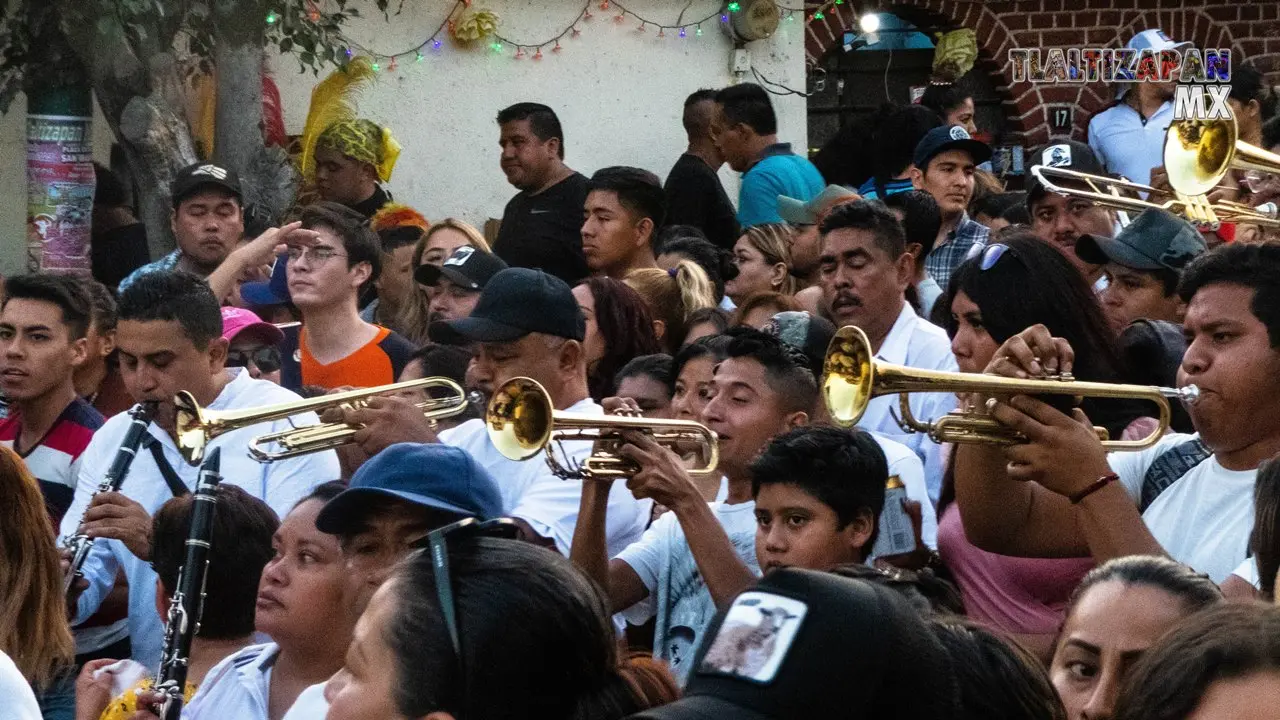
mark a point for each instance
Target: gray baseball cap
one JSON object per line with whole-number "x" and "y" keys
{"x": 1155, "y": 240}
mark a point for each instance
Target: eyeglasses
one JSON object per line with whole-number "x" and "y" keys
{"x": 317, "y": 255}
{"x": 435, "y": 542}
{"x": 266, "y": 359}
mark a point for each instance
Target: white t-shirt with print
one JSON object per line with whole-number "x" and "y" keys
{"x": 1204, "y": 518}
{"x": 678, "y": 597}
{"x": 237, "y": 687}
{"x": 19, "y": 702}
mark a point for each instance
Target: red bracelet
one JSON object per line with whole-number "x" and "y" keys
{"x": 1094, "y": 487}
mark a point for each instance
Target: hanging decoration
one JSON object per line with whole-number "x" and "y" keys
{"x": 469, "y": 28}
{"x": 472, "y": 25}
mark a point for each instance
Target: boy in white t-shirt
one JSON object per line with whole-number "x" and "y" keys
{"x": 1190, "y": 497}
{"x": 698, "y": 556}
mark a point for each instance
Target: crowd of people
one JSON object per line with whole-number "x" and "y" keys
{"x": 761, "y": 557}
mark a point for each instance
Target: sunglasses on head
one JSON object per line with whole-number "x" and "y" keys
{"x": 988, "y": 255}
{"x": 266, "y": 359}
{"x": 436, "y": 543}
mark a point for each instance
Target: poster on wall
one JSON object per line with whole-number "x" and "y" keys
{"x": 60, "y": 185}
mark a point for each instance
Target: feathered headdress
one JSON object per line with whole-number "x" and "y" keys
{"x": 332, "y": 101}
{"x": 394, "y": 215}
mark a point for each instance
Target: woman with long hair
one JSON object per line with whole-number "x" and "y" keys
{"x": 1121, "y": 610}
{"x": 944, "y": 96}
{"x": 673, "y": 296}
{"x": 1008, "y": 287}
{"x": 433, "y": 248}
{"x": 33, "y": 616}
{"x": 684, "y": 242}
{"x": 763, "y": 259}
{"x": 619, "y": 327}
{"x": 501, "y": 630}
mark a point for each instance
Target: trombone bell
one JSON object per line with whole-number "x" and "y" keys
{"x": 1198, "y": 154}
{"x": 852, "y": 378}
{"x": 522, "y": 421}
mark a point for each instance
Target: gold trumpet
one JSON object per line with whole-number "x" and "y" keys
{"x": 1198, "y": 154}
{"x": 522, "y": 421}
{"x": 852, "y": 377}
{"x": 197, "y": 426}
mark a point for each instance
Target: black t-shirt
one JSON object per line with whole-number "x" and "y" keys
{"x": 544, "y": 231}
{"x": 696, "y": 197}
{"x": 372, "y": 204}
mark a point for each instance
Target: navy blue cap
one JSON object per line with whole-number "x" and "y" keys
{"x": 514, "y": 303}
{"x": 949, "y": 137}
{"x": 435, "y": 476}
{"x": 273, "y": 292}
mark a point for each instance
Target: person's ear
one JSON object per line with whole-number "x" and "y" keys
{"x": 361, "y": 273}
{"x": 777, "y": 276}
{"x": 173, "y": 222}
{"x": 914, "y": 250}
{"x": 218, "y": 354}
{"x": 107, "y": 342}
{"x": 796, "y": 419}
{"x": 859, "y": 531}
{"x": 553, "y": 145}
{"x": 162, "y": 599}
{"x": 79, "y": 352}
{"x": 917, "y": 178}
{"x": 660, "y": 330}
{"x": 905, "y": 267}
{"x": 571, "y": 355}
{"x": 645, "y": 230}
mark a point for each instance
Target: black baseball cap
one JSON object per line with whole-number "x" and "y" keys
{"x": 515, "y": 302}
{"x": 1155, "y": 240}
{"x": 194, "y": 177}
{"x": 467, "y": 267}
{"x": 949, "y": 137}
{"x": 803, "y": 644}
{"x": 1066, "y": 154}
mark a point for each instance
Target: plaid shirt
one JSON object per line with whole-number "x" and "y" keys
{"x": 945, "y": 258}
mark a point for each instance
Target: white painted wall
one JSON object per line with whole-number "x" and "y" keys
{"x": 619, "y": 94}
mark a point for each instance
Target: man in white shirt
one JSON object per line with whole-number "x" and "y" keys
{"x": 170, "y": 339}
{"x": 865, "y": 270}
{"x": 1190, "y": 497}
{"x": 526, "y": 323}
{"x": 699, "y": 554}
{"x": 1129, "y": 136}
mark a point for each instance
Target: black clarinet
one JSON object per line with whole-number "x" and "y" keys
{"x": 80, "y": 544}
{"x": 187, "y": 604}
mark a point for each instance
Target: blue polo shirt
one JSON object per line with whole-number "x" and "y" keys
{"x": 778, "y": 172}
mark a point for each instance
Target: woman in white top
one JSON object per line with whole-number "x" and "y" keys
{"x": 19, "y": 701}
{"x": 306, "y": 605}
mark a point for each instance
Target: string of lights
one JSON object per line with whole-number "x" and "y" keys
{"x": 501, "y": 43}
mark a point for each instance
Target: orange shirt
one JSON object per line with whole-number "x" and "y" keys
{"x": 378, "y": 362}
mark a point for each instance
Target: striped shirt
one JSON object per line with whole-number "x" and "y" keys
{"x": 945, "y": 258}
{"x": 55, "y": 459}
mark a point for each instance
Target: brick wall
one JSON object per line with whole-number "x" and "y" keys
{"x": 1251, "y": 28}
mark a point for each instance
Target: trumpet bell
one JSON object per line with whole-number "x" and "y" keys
{"x": 848, "y": 376}
{"x": 520, "y": 418}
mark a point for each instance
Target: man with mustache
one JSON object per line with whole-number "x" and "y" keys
{"x": 208, "y": 221}
{"x": 541, "y": 224}
{"x": 944, "y": 163}
{"x": 1061, "y": 220}
{"x": 458, "y": 282}
{"x": 864, "y": 271}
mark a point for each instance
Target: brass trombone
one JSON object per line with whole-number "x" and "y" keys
{"x": 852, "y": 377}
{"x": 1198, "y": 154}
{"x": 1110, "y": 192}
{"x": 197, "y": 426}
{"x": 522, "y": 421}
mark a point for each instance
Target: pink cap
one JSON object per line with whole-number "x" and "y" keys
{"x": 238, "y": 320}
